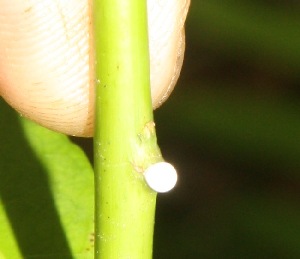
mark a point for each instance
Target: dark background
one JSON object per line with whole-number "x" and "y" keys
{"x": 232, "y": 129}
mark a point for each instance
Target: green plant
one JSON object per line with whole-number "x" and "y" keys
{"x": 125, "y": 139}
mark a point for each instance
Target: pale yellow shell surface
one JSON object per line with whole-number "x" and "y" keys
{"x": 45, "y": 59}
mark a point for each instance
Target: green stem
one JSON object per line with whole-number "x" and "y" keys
{"x": 125, "y": 140}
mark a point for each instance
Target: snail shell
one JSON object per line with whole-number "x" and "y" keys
{"x": 45, "y": 55}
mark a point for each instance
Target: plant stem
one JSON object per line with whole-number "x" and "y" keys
{"x": 125, "y": 139}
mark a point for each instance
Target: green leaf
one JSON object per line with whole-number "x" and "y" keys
{"x": 46, "y": 191}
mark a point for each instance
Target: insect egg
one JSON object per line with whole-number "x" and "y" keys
{"x": 161, "y": 177}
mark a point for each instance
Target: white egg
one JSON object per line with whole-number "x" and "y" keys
{"x": 161, "y": 177}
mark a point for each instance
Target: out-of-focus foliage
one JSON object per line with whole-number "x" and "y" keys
{"x": 232, "y": 128}
{"x": 46, "y": 193}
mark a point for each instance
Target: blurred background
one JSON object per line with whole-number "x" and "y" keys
{"x": 232, "y": 129}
